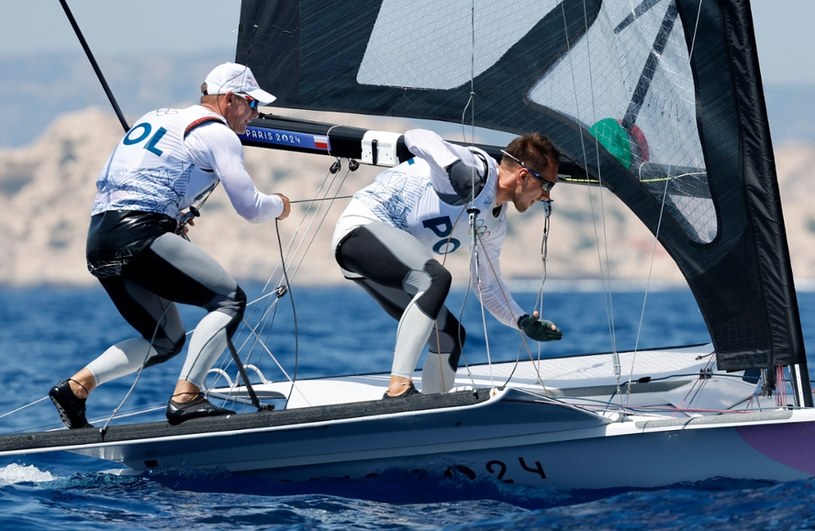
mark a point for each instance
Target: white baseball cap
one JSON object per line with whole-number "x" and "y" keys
{"x": 233, "y": 77}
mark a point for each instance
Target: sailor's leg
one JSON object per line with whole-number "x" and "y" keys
{"x": 162, "y": 336}
{"x": 155, "y": 318}
{"x": 399, "y": 272}
{"x": 207, "y": 343}
{"x": 190, "y": 276}
{"x": 445, "y": 345}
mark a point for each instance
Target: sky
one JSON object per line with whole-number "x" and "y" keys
{"x": 784, "y": 30}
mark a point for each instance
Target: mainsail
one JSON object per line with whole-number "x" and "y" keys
{"x": 660, "y": 101}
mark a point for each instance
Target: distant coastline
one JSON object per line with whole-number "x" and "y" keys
{"x": 52, "y": 148}
{"x": 174, "y": 78}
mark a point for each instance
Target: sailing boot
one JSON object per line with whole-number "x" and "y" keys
{"x": 411, "y": 391}
{"x": 178, "y": 412}
{"x": 71, "y": 408}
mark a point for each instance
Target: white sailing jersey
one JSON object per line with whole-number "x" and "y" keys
{"x": 416, "y": 196}
{"x": 405, "y": 197}
{"x": 171, "y": 158}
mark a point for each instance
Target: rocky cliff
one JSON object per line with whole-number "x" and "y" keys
{"x": 46, "y": 189}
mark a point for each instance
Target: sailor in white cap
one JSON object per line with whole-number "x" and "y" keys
{"x": 164, "y": 167}
{"x": 225, "y": 85}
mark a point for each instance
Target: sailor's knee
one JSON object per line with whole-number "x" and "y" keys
{"x": 170, "y": 346}
{"x": 432, "y": 300}
{"x": 240, "y": 302}
{"x": 232, "y": 303}
{"x": 440, "y": 278}
{"x": 166, "y": 348}
{"x": 236, "y": 307}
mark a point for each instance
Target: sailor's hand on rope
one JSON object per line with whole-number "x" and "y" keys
{"x": 185, "y": 228}
{"x": 187, "y": 221}
{"x": 539, "y": 329}
{"x": 286, "y": 207}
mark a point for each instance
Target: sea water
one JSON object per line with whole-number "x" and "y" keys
{"x": 49, "y": 332}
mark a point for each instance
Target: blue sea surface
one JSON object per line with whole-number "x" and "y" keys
{"x": 49, "y": 332}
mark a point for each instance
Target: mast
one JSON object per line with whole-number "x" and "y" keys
{"x": 94, "y": 64}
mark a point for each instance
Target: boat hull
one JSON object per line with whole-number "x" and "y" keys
{"x": 678, "y": 421}
{"x": 512, "y": 437}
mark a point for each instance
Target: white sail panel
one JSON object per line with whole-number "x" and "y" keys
{"x": 429, "y": 44}
{"x": 599, "y": 82}
{"x": 598, "y": 77}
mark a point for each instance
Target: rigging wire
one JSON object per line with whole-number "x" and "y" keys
{"x": 655, "y": 243}
{"x": 318, "y": 199}
{"x": 472, "y": 212}
{"x": 638, "y": 96}
{"x": 544, "y": 252}
{"x": 254, "y": 335}
{"x": 293, "y": 308}
{"x": 470, "y": 104}
{"x": 475, "y": 271}
{"x": 602, "y": 261}
{"x": 115, "y": 412}
{"x": 589, "y": 181}
{"x": 660, "y": 42}
{"x": 292, "y": 256}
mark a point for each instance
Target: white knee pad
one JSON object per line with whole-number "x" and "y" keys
{"x": 437, "y": 376}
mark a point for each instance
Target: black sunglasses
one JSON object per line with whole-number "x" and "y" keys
{"x": 546, "y": 186}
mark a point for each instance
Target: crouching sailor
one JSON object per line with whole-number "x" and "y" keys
{"x": 392, "y": 235}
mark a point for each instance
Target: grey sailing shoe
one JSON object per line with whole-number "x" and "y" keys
{"x": 411, "y": 391}
{"x": 178, "y": 412}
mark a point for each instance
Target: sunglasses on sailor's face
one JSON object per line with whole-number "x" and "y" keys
{"x": 546, "y": 186}
{"x": 250, "y": 101}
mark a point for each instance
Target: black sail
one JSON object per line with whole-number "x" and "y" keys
{"x": 662, "y": 105}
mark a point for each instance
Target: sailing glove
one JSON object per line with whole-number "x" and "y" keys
{"x": 539, "y": 329}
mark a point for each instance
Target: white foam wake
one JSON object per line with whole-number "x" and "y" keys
{"x": 15, "y": 473}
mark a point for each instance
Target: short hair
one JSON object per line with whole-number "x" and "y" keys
{"x": 534, "y": 149}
